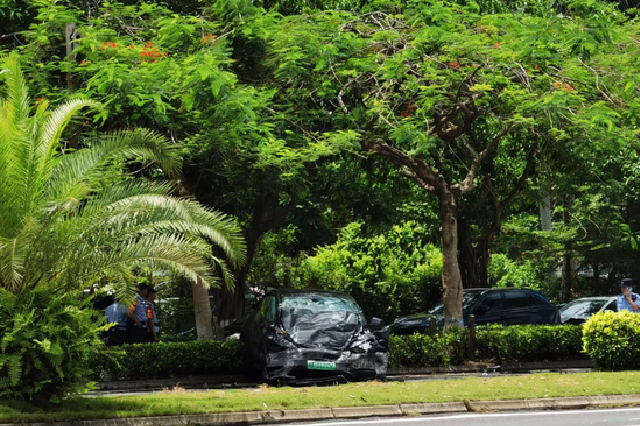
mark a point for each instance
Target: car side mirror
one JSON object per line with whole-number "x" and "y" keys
{"x": 376, "y": 323}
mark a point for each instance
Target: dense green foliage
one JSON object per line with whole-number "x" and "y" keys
{"x": 47, "y": 340}
{"x": 69, "y": 218}
{"x": 349, "y": 139}
{"x": 494, "y": 343}
{"x": 165, "y": 360}
{"x": 611, "y": 340}
{"x": 68, "y": 215}
{"x": 391, "y": 274}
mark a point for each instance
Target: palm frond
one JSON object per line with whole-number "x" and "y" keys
{"x": 17, "y": 100}
{"x": 11, "y": 265}
{"x": 73, "y": 175}
{"x": 47, "y": 142}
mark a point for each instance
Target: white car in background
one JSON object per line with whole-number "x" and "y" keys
{"x": 579, "y": 310}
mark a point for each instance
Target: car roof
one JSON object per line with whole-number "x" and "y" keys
{"x": 586, "y": 299}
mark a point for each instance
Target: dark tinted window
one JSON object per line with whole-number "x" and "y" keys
{"x": 540, "y": 300}
{"x": 516, "y": 299}
{"x": 492, "y": 301}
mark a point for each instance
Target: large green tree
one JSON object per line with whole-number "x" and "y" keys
{"x": 448, "y": 94}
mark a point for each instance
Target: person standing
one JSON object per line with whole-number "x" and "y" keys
{"x": 628, "y": 300}
{"x": 116, "y": 314}
{"x": 153, "y": 325}
{"x": 137, "y": 313}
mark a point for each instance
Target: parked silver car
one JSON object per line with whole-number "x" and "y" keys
{"x": 579, "y": 310}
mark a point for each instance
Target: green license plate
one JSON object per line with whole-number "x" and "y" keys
{"x": 321, "y": 365}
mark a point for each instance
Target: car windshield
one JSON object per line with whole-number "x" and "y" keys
{"x": 468, "y": 300}
{"x": 583, "y": 307}
{"x": 320, "y": 312}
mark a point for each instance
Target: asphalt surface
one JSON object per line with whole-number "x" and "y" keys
{"x": 608, "y": 417}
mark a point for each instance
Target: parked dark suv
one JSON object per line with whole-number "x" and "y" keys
{"x": 506, "y": 306}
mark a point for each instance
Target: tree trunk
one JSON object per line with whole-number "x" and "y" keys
{"x": 451, "y": 278}
{"x": 473, "y": 258}
{"x": 202, "y": 308}
{"x": 567, "y": 275}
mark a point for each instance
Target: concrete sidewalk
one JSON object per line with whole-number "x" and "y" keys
{"x": 287, "y": 416}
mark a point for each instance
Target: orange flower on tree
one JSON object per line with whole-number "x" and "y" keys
{"x": 497, "y": 45}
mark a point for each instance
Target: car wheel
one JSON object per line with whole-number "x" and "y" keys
{"x": 381, "y": 377}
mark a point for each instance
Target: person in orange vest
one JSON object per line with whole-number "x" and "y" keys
{"x": 137, "y": 314}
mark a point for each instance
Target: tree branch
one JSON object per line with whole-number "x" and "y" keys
{"x": 412, "y": 175}
{"x": 467, "y": 184}
{"x": 422, "y": 171}
{"x": 499, "y": 205}
{"x": 602, "y": 92}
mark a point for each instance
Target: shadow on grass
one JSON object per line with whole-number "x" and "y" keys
{"x": 78, "y": 408}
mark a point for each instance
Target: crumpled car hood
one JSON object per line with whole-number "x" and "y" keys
{"x": 328, "y": 339}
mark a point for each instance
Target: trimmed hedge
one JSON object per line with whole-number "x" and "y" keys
{"x": 612, "y": 340}
{"x": 493, "y": 343}
{"x": 165, "y": 360}
{"x": 204, "y": 358}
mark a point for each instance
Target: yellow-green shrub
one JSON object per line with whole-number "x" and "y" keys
{"x": 612, "y": 340}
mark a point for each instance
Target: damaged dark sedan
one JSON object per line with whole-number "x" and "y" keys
{"x": 310, "y": 336}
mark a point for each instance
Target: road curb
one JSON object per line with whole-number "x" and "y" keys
{"x": 314, "y": 414}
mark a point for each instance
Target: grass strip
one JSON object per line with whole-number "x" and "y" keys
{"x": 180, "y": 401}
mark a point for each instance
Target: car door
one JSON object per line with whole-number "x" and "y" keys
{"x": 518, "y": 309}
{"x": 543, "y": 311}
{"x": 490, "y": 309}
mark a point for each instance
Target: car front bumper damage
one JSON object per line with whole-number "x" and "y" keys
{"x": 292, "y": 366}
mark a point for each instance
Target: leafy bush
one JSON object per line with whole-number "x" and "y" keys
{"x": 493, "y": 343}
{"x": 47, "y": 341}
{"x": 529, "y": 343}
{"x": 391, "y": 274}
{"x": 164, "y": 360}
{"x": 611, "y": 339}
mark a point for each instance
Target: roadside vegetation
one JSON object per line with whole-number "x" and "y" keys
{"x": 181, "y": 401}
{"x": 400, "y": 150}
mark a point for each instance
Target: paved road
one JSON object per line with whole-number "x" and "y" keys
{"x": 608, "y": 417}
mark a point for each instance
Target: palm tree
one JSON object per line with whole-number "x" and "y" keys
{"x": 66, "y": 217}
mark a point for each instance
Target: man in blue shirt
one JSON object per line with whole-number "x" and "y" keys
{"x": 116, "y": 314}
{"x": 137, "y": 313}
{"x": 628, "y": 300}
